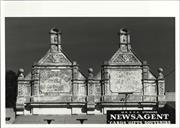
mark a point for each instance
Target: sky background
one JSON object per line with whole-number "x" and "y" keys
{"x": 92, "y": 40}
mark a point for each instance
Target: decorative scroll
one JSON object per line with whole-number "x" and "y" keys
{"x": 54, "y": 81}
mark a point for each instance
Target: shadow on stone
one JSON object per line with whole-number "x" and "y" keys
{"x": 11, "y": 89}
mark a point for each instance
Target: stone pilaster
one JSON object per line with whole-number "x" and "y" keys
{"x": 161, "y": 88}
{"x": 145, "y": 70}
{"x": 35, "y": 82}
{"x": 105, "y": 79}
{"x": 55, "y": 40}
{"x": 21, "y": 94}
{"x": 74, "y": 79}
{"x": 161, "y": 82}
{"x": 91, "y": 90}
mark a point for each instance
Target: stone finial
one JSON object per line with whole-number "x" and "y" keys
{"x": 124, "y": 40}
{"x": 21, "y": 73}
{"x": 123, "y": 31}
{"x": 34, "y": 64}
{"x": 160, "y": 73}
{"x": 144, "y": 62}
{"x": 74, "y": 63}
{"x": 90, "y": 73}
{"x": 55, "y": 39}
{"x": 54, "y": 31}
{"x": 90, "y": 70}
{"x": 106, "y": 62}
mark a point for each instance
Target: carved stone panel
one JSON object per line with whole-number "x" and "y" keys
{"x": 55, "y": 82}
{"x": 150, "y": 88}
{"x": 125, "y": 59}
{"x": 90, "y": 88}
{"x": 161, "y": 87}
{"x": 57, "y": 58}
{"x": 23, "y": 88}
{"x": 125, "y": 80}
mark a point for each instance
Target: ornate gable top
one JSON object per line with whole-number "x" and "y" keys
{"x": 124, "y": 55}
{"x": 55, "y": 56}
{"x": 124, "y": 58}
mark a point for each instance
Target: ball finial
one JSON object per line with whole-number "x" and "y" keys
{"x": 90, "y": 70}
{"x": 74, "y": 63}
{"x": 160, "y": 73}
{"x": 55, "y": 31}
{"x": 123, "y": 31}
{"x": 21, "y": 70}
{"x": 160, "y": 70}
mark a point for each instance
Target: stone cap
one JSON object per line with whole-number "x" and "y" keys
{"x": 54, "y": 31}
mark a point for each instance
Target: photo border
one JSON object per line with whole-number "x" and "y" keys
{"x": 89, "y": 9}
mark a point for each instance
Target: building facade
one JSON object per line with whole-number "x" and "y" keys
{"x": 55, "y": 85}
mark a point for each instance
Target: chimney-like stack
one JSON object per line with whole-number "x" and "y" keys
{"x": 124, "y": 40}
{"x": 55, "y": 39}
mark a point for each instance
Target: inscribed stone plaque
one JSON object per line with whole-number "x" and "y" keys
{"x": 55, "y": 81}
{"x": 125, "y": 80}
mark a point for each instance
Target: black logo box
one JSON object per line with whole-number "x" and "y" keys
{"x": 137, "y": 115}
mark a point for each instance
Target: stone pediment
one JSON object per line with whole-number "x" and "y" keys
{"x": 54, "y": 58}
{"x": 151, "y": 76}
{"x": 28, "y": 77}
{"x": 81, "y": 76}
{"x": 124, "y": 58}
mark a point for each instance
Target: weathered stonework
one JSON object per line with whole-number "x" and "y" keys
{"x": 55, "y": 81}
{"x": 56, "y": 86}
{"x": 125, "y": 80}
